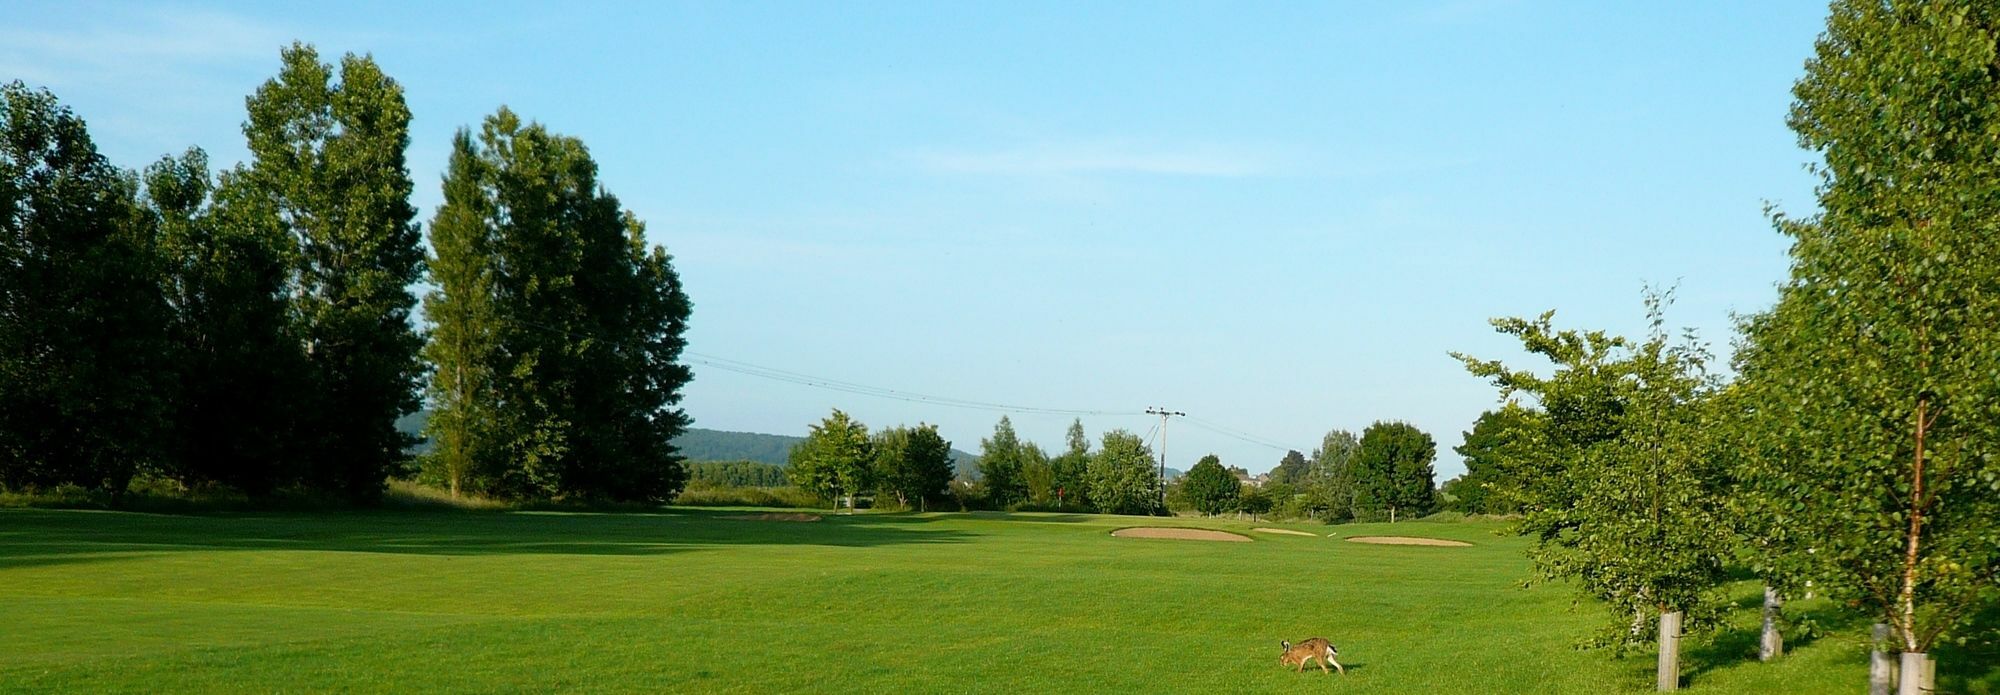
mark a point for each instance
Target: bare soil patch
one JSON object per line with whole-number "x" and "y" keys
{"x": 1183, "y": 534}
{"x": 1408, "y": 540}
{"x": 794, "y": 516}
{"x": 1285, "y": 531}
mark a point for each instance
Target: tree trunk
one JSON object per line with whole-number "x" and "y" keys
{"x": 1910, "y": 678}
{"x": 1670, "y": 651}
{"x": 1773, "y": 643}
{"x": 1881, "y": 669}
{"x": 1906, "y": 601}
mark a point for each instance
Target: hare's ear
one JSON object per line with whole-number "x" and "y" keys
{"x": 1284, "y": 644}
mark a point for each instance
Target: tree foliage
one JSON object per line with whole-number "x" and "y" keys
{"x": 83, "y": 328}
{"x": 1874, "y": 383}
{"x": 1122, "y": 477}
{"x": 912, "y": 464}
{"x": 836, "y": 459}
{"x": 1619, "y": 484}
{"x": 1254, "y": 500}
{"x": 735, "y": 474}
{"x": 1293, "y": 468}
{"x": 1487, "y": 485}
{"x": 1391, "y": 471}
{"x": 1329, "y": 483}
{"x": 1209, "y": 487}
{"x": 558, "y": 330}
{"x": 1070, "y": 471}
{"x": 327, "y": 159}
{"x": 469, "y": 449}
{"x": 1038, "y": 474}
{"x": 237, "y": 356}
{"x": 1000, "y": 461}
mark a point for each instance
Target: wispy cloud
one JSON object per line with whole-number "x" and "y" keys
{"x": 1073, "y": 158}
{"x": 128, "y": 47}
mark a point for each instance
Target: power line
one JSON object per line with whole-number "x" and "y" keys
{"x": 803, "y": 379}
{"x": 1237, "y": 434}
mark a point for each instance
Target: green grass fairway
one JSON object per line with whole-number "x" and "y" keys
{"x": 687, "y": 600}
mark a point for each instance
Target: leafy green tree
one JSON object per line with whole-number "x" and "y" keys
{"x": 1628, "y": 508}
{"x": 1873, "y": 380}
{"x": 1122, "y": 477}
{"x": 464, "y": 349}
{"x": 1000, "y": 461}
{"x": 912, "y": 464}
{"x": 1488, "y": 450}
{"x": 83, "y": 328}
{"x": 735, "y": 474}
{"x": 835, "y": 460}
{"x": 1392, "y": 470}
{"x": 1293, "y": 468}
{"x": 1038, "y": 473}
{"x": 1253, "y": 500}
{"x": 559, "y": 330}
{"x": 237, "y": 360}
{"x": 1329, "y": 482}
{"x": 1209, "y": 487}
{"x": 328, "y": 158}
{"x": 1071, "y": 470}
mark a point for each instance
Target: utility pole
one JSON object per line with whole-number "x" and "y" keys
{"x": 1162, "y": 481}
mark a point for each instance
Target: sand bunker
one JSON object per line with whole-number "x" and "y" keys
{"x": 775, "y": 517}
{"x": 1408, "y": 540}
{"x": 1285, "y": 531}
{"x": 1185, "y": 534}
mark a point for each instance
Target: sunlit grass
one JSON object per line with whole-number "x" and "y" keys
{"x": 688, "y": 600}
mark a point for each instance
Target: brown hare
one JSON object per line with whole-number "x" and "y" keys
{"x": 1315, "y": 648}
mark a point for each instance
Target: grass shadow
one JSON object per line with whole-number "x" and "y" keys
{"x": 43, "y": 537}
{"x": 1973, "y": 664}
{"x": 1741, "y": 636}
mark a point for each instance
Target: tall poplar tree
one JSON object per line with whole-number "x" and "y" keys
{"x": 1072, "y": 468}
{"x": 1329, "y": 478}
{"x": 1000, "y": 465}
{"x": 463, "y": 344}
{"x": 559, "y": 329}
{"x": 329, "y": 159}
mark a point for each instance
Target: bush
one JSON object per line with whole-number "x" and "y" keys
{"x": 410, "y": 494}
{"x": 787, "y": 497}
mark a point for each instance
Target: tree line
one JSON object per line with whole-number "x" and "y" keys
{"x": 253, "y": 328}
{"x": 911, "y": 468}
{"x": 1857, "y": 447}
{"x": 1386, "y": 474}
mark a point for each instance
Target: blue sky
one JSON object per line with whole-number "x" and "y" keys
{"x": 1277, "y": 217}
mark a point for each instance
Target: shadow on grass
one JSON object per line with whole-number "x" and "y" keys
{"x": 46, "y": 537}
{"x": 1974, "y": 666}
{"x": 1042, "y": 517}
{"x": 1735, "y": 644}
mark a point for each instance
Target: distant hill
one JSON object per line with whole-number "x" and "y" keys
{"x": 699, "y": 444}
